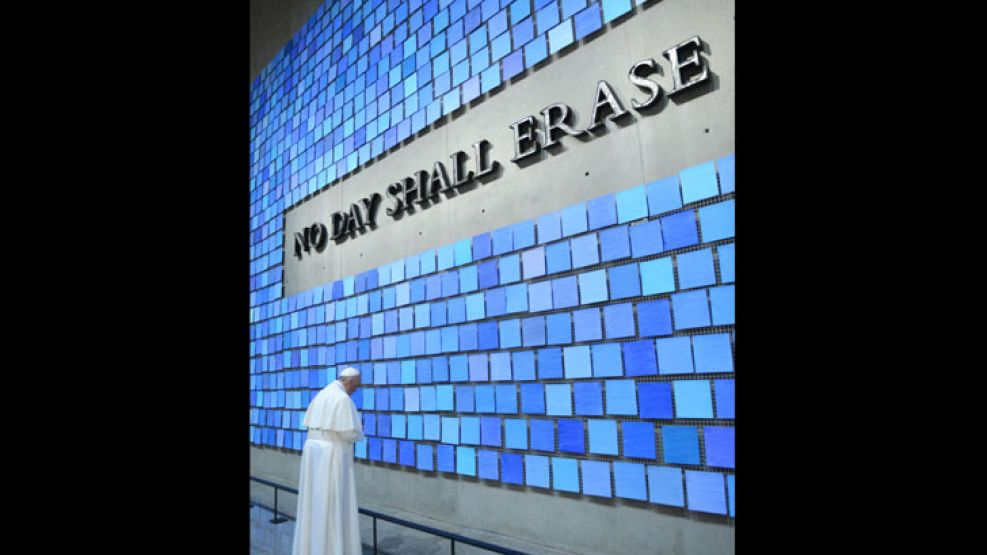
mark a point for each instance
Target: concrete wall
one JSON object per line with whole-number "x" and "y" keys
{"x": 678, "y": 134}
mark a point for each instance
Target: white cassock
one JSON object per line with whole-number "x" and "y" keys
{"x": 326, "y": 520}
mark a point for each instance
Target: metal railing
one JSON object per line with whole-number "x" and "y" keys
{"x": 453, "y": 538}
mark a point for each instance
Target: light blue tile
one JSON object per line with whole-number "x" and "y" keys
{"x": 565, "y": 474}
{"x": 674, "y": 355}
{"x": 603, "y": 437}
{"x": 693, "y": 399}
{"x": 596, "y": 478}
{"x": 706, "y": 492}
{"x": 657, "y": 276}
{"x": 691, "y": 310}
{"x": 558, "y": 400}
{"x": 696, "y": 269}
{"x": 665, "y": 486}
{"x": 632, "y": 204}
{"x": 722, "y": 305}
{"x": 698, "y": 182}
{"x": 593, "y": 287}
{"x": 717, "y": 221}
{"x": 663, "y": 195}
{"x": 577, "y": 362}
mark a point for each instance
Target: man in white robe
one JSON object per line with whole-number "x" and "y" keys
{"x": 326, "y": 522}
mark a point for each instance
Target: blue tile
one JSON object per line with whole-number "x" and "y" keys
{"x": 589, "y": 398}
{"x": 629, "y": 481}
{"x": 663, "y": 195}
{"x": 488, "y": 336}
{"x": 655, "y": 318}
{"x": 712, "y": 353}
{"x": 520, "y": 10}
{"x": 665, "y": 486}
{"x": 612, "y": 9}
{"x": 602, "y": 211}
{"x": 513, "y": 64}
{"x": 533, "y": 263}
{"x": 719, "y": 442}
{"x": 674, "y": 355}
{"x": 696, "y": 269}
{"x": 547, "y": 17}
{"x": 619, "y": 320}
{"x": 705, "y": 492}
{"x": 721, "y": 301}
{"x": 517, "y": 298}
{"x": 485, "y": 402}
{"x": 691, "y": 310}
{"x": 522, "y": 32}
{"x": 624, "y": 281}
{"x": 692, "y": 399}
{"x": 511, "y": 468}
{"x": 468, "y": 337}
{"x": 680, "y": 444}
{"x": 446, "y": 457}
{"x": 596, "y": 478}
{"x": 679, "y": 230}
{"x": 535, "y": 50}
{"x": 536, "y": 471}
{"x": 577, "y": 362}
{"x": 482, "y": 246}
{"x": 640, "y": 358}
{"x": 466, "y": 461}
{"x": 558, "y": 400}
{"x": 479, "y": 368}
{"x": 487, "y": 274}
{"x": 587, "y": 324}
{"x": 549, "y": 227}
{"x": 602, "y": 437}
{"x": 646, "y": 239}
{"x": 565, "y": 474}
{"x": 540, "y": 296}
{"x": 593, "y": 287}
{"x": 571, "y": 437}
{"x": 585, "y": 251}
{"x": 469, "y": 430}
{"x": 549, "y": 363}
{"x": 621, "y": 397}
{"x": 500, "y": 366}
{"x": 614, "y": 243}
{"x": 725, "y": 254}
{"x": 516, "y": 433}
{"x": 571, "y": 7}
{"x": 510, "y": 334}
{"x": 639, "y": 439}
{"x": 487, "y": 465}
{"x": 532, "y": 399}
{"x": 557, "y": 257}
{"x": 717, "y": 221}
{"x": 542, "y": 435}
{"x": 490, "y": 78}
{"x": 699, "y": 182}
{"x": 506, "y": 398}
{"x": 523, "y": 363}
{"x": 510, "y": 268}
{"x": 730, "y": 494}
{"x": 458, "y": 368}
{"x": 559, "y": 329}
{"x": 533, "y": 331}
{"x": 574, "y": 220}
{"x": 588, "y": 21}
{"x": 607, "y": 361}
{"x": 723, "y": 389}
{"x": 496, "y": 302}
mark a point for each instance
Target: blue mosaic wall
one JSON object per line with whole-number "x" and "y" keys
{"x": 589, "y": 350}
{"x": 362, "y": 76}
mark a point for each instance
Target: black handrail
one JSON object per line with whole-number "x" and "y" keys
{"x": 400, "y": 521}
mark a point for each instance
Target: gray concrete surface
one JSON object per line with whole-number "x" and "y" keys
{"x": 683, "y": 132}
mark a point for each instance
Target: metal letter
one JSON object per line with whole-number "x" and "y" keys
{"x": 673, "y": 56}
{"x": 370, "y": 208}
{"x": 604, "y": 97}
{"x": 481, "y": 159}
{"x": 319, "y": 236}
{"x": 300, "y": 243}
{"x": 457, "y": 165}
{"x": 520, "y": 135}
{"x": 410, "y": 190}
{"x": 561, "y": 124}
{"x": 637, "y": 78}
{"x": 428, "y": 192}
{"x": 440, "y": 181}
{"x": 356, "y": 219}
{"x": 339, "y": 224}
{"x": 394, "y": 191}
